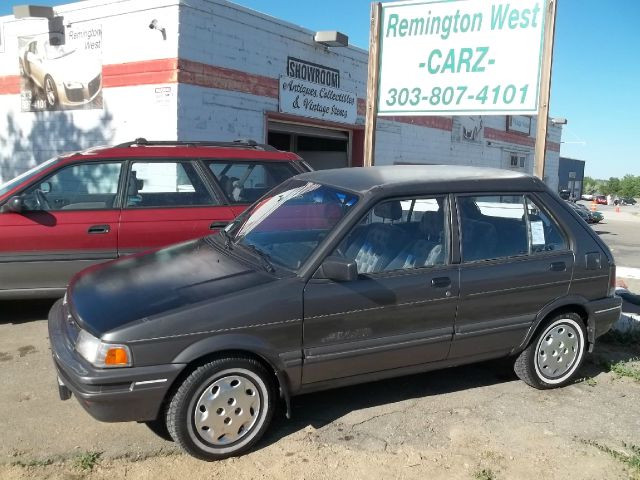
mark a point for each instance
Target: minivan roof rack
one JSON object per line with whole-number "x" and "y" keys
{"x": 240, "y": 143}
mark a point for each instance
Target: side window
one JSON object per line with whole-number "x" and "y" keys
{"x": 246, "y": 182}
{"x": 399, "y": 235}
{"x": 492, "y": 227}
{"x": 544, "y": 232}
{"x": 88, "y": 186}
{"x": 166, "y": 184}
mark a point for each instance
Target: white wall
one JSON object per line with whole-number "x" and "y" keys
{"x": 223, "y": 34}
{"x": 28, "y": 138}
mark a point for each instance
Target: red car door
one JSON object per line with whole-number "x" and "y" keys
{"x": 69, "y": 221}
{"x": 168, "y": 202}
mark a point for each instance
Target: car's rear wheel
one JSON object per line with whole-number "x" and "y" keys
{"x": 555, "y": 354}
{"x": 50, "y": 92}
{"x": 222, "y": 408}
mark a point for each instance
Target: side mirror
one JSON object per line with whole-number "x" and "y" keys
{"x": 14, "y": 205}
{"x": 339, "y": 269}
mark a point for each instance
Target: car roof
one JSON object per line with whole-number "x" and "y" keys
{"x": 410, "y": 179}
{"x": 175, "y": 150}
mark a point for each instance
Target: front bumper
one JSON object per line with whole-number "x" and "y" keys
{"x": 602, "y": 315}
{"x": 109, "y": 395}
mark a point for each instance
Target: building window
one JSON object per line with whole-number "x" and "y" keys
{"x": 518, "y": 161}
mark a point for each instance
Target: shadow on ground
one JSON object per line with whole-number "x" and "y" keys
{"x": 322, "y": 408}
{"x": 21, "y": 311}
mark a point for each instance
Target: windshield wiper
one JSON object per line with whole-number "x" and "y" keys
{"x": 263, "y": 256}
{"x": 228, "y": 241}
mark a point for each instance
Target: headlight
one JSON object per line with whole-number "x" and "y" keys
{"x": 101, "y": 354}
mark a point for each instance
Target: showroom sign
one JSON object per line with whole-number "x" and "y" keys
{"x": 460, "y": 57}
{"x": 308, "y": 99}
{"x": 61, "y": 71}
{"x": 312, "y": 72}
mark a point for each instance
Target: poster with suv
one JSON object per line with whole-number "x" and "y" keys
{"x": 61, "y": 71}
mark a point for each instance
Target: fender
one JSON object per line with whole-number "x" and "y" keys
{"x": 547, "y": 309}
{"x": 287, "y": 366}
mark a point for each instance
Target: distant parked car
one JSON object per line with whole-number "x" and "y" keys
{"x": 587, "y": 215}
{"x": 601, "y": 200}
{"x": 587, "y": 196}
{"x": 627, "y": 201}
{"x": 565, "y": 194}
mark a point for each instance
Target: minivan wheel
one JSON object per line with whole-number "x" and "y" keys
{"x": 222, "y": 408}
{"x": 555, "y": 354}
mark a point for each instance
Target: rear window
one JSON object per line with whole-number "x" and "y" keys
{"x": 246, "y": 182}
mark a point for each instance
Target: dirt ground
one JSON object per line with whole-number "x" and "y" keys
{"x": 473, "y": 422}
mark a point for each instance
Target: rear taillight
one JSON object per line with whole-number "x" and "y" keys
{"x": 612, "y": 280}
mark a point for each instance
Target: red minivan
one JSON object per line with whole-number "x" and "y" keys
{"x": 100, "y": 204}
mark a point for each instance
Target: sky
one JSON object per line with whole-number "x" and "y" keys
{"x": 595, "y": 75}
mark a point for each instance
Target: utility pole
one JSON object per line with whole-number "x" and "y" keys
{"x": 372, "y": 85}
{"x": 545, "y": 89}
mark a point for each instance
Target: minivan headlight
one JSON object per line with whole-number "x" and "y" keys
{"x": 101, "y": 354}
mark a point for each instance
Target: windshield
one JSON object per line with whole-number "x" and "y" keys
{"x": 11, "y": 184}
{"x": 58, "y": 51}
{"x": 288, "y": 224}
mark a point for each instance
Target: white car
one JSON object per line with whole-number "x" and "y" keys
{"x": 587, "y": 196}
{"x": 68, "y": 77}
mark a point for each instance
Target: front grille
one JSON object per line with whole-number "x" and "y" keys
{"x": 74, "y": 94}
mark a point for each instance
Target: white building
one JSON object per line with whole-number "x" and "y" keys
{"x": 213, "y": 70}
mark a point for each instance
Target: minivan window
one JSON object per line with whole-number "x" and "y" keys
{"x": 492, "y": 227}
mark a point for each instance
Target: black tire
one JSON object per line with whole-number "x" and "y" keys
{"x": 50, "y": 93}
{"x": 555, "y": 354}
{"x": 209, "y": 391}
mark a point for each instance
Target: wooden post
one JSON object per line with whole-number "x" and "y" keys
{"x": 545, "y": 89}
{"x": 372, "y": 85}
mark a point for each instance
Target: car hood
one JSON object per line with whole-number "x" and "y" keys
{"x": 74, "y": 67}
{"x": 108, "y": 296}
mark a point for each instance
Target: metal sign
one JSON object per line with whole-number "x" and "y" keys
{"x": 519, "y": 123}
{"x": 317, "y": 101}
{"x": 460, "y": 57}
{"x": 312, "y": 72}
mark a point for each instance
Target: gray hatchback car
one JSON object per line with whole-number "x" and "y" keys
{"x": 335, "y": 277}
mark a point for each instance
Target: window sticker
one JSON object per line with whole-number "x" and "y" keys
{"x": 537, "y": 233}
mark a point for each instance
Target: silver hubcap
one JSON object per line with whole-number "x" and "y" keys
{"x": 558, "y": 350}
{"x": 227, "y": 410}
{"x": 51, "y": 96}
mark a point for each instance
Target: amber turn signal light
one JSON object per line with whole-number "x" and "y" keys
{"x": 116, "y": 356}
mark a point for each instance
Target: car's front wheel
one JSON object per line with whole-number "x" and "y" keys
{"x": 222, "y": 408}
{"x": 50, "y": 92}
{"x": 555, "y": 354}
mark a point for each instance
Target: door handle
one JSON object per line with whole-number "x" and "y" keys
{"x": 217, "y": 225}
{"x": 558, "y": 266}
{"x": 98, "y": 229}
{"x": 441, "y": 282}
